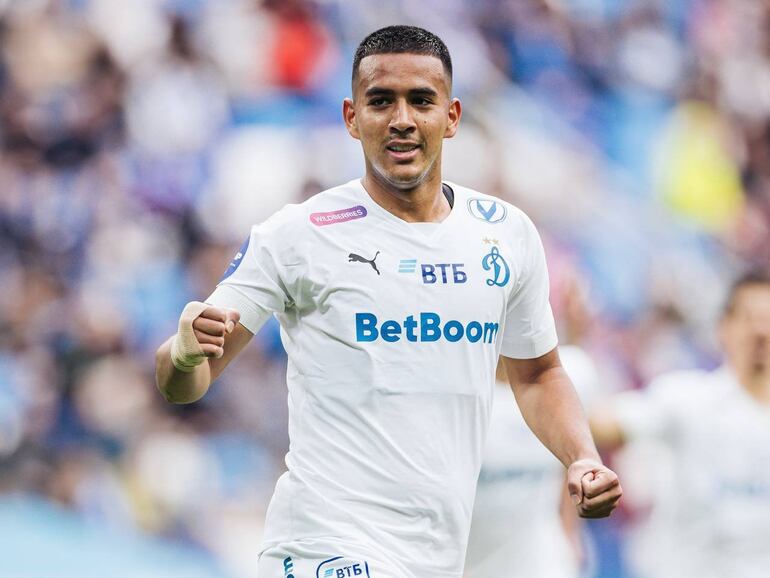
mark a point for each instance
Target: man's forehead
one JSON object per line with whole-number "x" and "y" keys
{"x": 401, "y": 70}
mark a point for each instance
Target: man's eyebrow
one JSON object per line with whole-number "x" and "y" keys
{"x": 426, "y": 91}
{"x": 381, "y": 91}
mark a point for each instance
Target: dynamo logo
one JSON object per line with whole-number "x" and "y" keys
{"x": 426, "y": 328}
{"x": 494, "y": 261}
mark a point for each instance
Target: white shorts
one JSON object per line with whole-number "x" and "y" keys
{"x": 325, "y": 559}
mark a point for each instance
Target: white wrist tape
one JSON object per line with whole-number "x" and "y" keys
{"x": 186, "y": 352}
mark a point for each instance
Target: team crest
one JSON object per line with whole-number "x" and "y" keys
{"x": 487, "y": 210}
{"x": 500, "y": 273}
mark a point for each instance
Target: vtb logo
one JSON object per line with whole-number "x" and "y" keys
{"x": 344, "y": 571}
{"x": 341, "y": 567}
{"x": 442, "y": 273}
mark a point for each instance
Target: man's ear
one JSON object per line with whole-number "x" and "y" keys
{"x": 349, "y": 116}
{"x": 455, "y": 112}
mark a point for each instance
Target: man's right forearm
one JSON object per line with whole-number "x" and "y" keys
{"x": 178, "y": 386}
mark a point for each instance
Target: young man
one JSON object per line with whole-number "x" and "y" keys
{"x": 396, "y": 293}
{"x": 712, "y": 516}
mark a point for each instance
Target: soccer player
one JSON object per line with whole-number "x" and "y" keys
{"x": 714, "y": 517}
{"x": 396, "y": 293}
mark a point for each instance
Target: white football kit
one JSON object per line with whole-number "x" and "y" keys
{"x": 392, "y": 331}
{"x": 517, "y": 529}
{"x": 713, "y": 518}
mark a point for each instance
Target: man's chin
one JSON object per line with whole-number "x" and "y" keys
{"x": 404, "y": 181}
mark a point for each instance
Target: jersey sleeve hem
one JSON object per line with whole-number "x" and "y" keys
{"x": 532, "y": 348}
{"x": 253, "y": 317}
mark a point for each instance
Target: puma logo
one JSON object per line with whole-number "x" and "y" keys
{"x": 358, "y": 258}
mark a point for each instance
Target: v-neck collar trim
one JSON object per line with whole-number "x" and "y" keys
{"x": 386, "y": 215}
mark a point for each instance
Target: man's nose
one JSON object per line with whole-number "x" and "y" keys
{"x": 402, "y": 120}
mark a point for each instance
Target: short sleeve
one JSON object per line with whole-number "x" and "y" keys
{"x": 252, "y": 283}
{"x": 530, "y": 330}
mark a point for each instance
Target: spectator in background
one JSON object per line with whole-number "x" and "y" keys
{"x": 713, "y": 513}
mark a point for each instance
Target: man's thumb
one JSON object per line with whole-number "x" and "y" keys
{"x": 574, "y": 487}
{"x": 231, "y": 318}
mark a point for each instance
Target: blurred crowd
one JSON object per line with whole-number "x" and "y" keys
{"x": 141, "y": 139}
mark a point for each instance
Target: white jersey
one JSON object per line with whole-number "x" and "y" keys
{"x": 393, "y": 333}
{"x": 517, "y": 528}
{"x": 715, "y": 513}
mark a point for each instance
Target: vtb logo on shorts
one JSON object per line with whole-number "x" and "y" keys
{"x": 344, "y": 571}
{"x": 341, "y": 567}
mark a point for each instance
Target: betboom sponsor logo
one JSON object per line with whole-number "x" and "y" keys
{"x": 426, "y": 327}
{"x": 341, "y": 216}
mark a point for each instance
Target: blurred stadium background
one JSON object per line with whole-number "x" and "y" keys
{"x": 141, "y": 139}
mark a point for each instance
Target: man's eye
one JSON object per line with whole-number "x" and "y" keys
{"x": 422, "y": 102}
{"x": 378, "y": 102}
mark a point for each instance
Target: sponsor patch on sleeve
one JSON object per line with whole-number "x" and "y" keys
{"x": 340, "y": 216}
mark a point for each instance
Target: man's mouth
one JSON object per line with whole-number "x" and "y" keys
{"x": 403, "y": 151}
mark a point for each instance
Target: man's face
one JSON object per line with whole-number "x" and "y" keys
{"x": 401, "y": 111}
{"x": 745, "y": 331}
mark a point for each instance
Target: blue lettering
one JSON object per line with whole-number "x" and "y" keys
{"x": 428, "y": 275}
{"x": 357, "y": 569}
{"x": 459, "y": 275}
{"x": 427, "y": 329}
{"x": 490, "y": 332}
{"x": 366, "y": 327}
{"x": 410, "y": 325}
{"x": 390, "y": 331}
{"x": 430, "y": 327}
{"x": 457, "y": 335}
{"x": 443, "y": 267}
{"x": 473, "y": 331}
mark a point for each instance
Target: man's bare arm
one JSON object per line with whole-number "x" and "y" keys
{"x": 552, "y": 410}
{"x": 220, "y": 338}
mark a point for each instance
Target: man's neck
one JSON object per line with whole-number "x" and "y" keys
{"x": 425, "y": 203}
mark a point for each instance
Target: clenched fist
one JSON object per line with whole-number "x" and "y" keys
{"x": 201, "y": 334}
{"x": 594, "y": 488}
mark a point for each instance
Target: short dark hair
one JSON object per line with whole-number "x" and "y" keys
{"x": 748, "y": 279}
{"x": 403, "y": 40}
